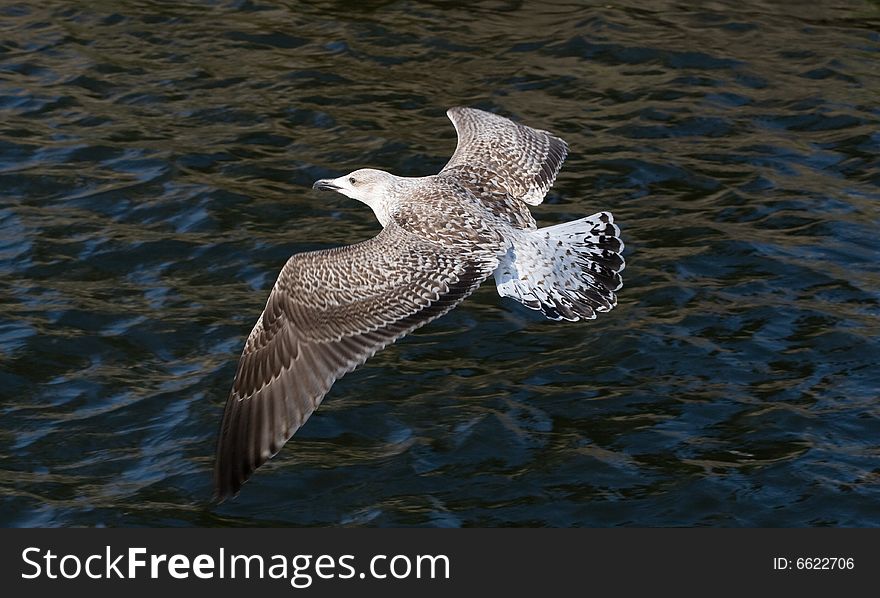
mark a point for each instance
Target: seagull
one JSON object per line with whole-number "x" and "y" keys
{"x": 442, "y": 236}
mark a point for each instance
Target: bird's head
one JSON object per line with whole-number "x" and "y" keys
{"x": 366, "y": 185}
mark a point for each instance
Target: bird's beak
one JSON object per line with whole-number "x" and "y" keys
{"x": 325, "y": 185}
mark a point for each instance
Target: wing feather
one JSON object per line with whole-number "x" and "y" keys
{"x": 497, "y": 152}
{"x": 328, "y": 313}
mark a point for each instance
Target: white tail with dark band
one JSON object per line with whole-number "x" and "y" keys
{"x": 569, "y": 271}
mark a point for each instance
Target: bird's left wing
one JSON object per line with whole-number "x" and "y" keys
{"x": 497, "y": 152}
{"x": 329, "y": 312}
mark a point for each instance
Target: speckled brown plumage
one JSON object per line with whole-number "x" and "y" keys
{"x": 442, "y": 236}
{"x": 495, "y": 153}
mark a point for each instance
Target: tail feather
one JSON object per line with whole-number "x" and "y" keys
{"x": 569, "y": 271}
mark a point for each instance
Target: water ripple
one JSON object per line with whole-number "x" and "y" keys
{"x": 155, "y": 166}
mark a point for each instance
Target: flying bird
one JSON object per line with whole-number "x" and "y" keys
{"x": 442, "y": 235}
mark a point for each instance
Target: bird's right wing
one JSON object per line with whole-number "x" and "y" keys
{"x": 329, "y": 312}
{"x": 495, "y": 151}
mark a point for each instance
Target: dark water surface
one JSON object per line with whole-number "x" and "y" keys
{"x": 156, "y": 160}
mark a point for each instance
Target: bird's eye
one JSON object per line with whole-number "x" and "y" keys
{"x": 351, "y": 180}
